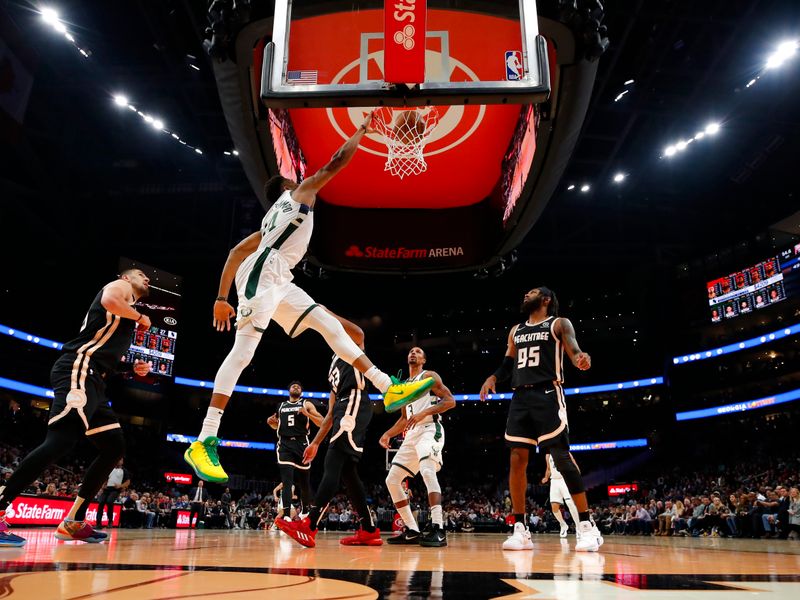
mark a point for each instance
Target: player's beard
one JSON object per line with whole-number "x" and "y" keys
{"x": 532, "y": 305}
{"x": 294, "y": 396}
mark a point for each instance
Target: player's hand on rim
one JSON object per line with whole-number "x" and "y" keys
{"x": 223, "y": 312}
{"x": 367, "y": 124}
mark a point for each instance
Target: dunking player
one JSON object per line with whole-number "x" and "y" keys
{"x": 538, "y": 414}
{"x": 559, "y": 494}
{"x": 260, "y": 266}
{"x": 80, "y": 407}
{"x": 348, "y": 416}
{"x": 420, "y": 452}
{"x": 293, "y": 421}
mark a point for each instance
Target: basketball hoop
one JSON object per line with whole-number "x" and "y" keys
{"x": 405, "y": 132}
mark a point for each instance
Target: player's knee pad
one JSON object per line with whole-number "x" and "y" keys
{"x": 394, "y": 483}
{"x": 333, "y": 332}
{"x": 244, "y": 348}
{"x": 427, "y": 468}
{"x": 565, "y": 464}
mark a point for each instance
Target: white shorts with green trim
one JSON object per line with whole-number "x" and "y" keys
{"x": 421, "y": 442}
{"x": 276, "y": 299}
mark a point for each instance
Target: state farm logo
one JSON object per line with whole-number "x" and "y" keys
{"x": 353, "y": 252}
{"x": 402, "y": 253}
{"x": 405, "y": 37}
{"x": 10, "y": 511}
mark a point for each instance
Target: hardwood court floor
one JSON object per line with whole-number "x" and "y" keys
{"x": 161, "y": 564}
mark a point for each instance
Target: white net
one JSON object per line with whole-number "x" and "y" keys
{"x": 405, "y": 131}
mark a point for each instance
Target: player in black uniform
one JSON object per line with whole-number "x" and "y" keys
{"x": 293, "y": 421}
{"x": 80, "y": 407}
{"x": 538, "y": 414}
{"x": 348, "y": 416}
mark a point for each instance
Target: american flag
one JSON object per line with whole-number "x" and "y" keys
{"x": 301, "y": 77}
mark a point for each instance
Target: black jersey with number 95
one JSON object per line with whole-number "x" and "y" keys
{"x": 539, "y": 354}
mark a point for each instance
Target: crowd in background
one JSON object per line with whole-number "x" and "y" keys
{"x": 760, "y": 499}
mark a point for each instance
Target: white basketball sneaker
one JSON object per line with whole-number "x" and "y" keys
{"x": 564, "y": 530}
{"x": 589, "y": 539}
{"x": 520, "y": 539}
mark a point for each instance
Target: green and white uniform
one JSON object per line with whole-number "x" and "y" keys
{"x": 425, "y": 439}
{"x": 264, "y": 279}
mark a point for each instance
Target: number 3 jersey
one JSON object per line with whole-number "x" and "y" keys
{"x": 540, "y": 354}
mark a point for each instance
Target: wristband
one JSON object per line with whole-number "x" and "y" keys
{"x": 504, "y": 372}
{"x": 222, "y": 298}
{"x": 140, "y": 317}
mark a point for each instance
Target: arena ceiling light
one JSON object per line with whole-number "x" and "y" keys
{"x": 619, "y": 177}
{"x": 585, "y": 187}
{"x": 156, "y": 123}
{"x": 781, "y": 54}
{"x": 51, "y": 17}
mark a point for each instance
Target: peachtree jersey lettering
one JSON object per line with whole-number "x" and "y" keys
{"x": 103, "y": 339}
{"x": 540, "y": 354}
{"x": 420, "y": 404}
{"x": 287, "y": 228}
{"x": 290, "y": 422}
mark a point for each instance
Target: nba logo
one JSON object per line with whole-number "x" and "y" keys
{"x": 513, "y": 65}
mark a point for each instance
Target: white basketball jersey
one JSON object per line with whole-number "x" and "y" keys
{"x": 554, "y": 473}
{"x": 421, "y": 403}
{"x": 287, "y": 228}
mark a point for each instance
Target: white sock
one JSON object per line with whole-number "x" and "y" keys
{"x": 559, "y": 517}
{"x": 436, "y": 515}
{"x": 408, "y": 517}
{"x": 378, "y": 378}
{"x": 211, "y": 423}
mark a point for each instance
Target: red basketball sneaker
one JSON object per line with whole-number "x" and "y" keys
{"x": 299, "y": 531}
{"x": 363, "y": 538}
{"x": 79, "y": 531}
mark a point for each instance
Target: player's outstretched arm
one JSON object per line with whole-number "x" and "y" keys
{"x": 117, "y": 298}
{"x": 223, "y": 311}
{"x": 566, "y": 333}
{"x": 504, "y": 371}
{"x": 306, "y": 192}
{"x": 324, "y": 428}
{"x": 440, "y": 390}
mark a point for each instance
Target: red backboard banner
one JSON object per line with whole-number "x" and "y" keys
{"x": 45, "y": 510}
{"x": 621, "y": 489}
{"x": 404, "y": 40}
{"x": 183, "y": 519}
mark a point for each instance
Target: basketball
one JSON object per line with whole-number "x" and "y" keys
{"x": 409, "y": 121}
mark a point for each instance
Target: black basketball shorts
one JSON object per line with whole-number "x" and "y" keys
{"x": 80, "y": 395}
{"x": 537, "y": 417}
{"x": 290, "y": 452}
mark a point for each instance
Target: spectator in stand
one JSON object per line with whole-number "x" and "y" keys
{"x": 50, "y": 490}
{"x": 697, "y": 522}
{"x": 143, "y": 508}
{"x": 665, "y": 519}
{"x": 226, "y": 507}
{"x": 782, "y": 519}
{"x": 793, "y": 528}
{"x": 769, "y": 514}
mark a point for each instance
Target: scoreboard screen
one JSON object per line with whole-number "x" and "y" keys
{"x": 756, "y": 287}
{"x": 157, "y": 344}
